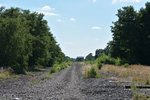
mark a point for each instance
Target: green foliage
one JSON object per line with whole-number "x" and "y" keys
{"x": 105, "y": 59}
{"x": 131, "y": 35}
{"x": 99, "y": 65}
{"x": 18, "y": 69}
{"x": 80, "y": 59}
{"x": 89, "y": 57}
{"x": 92, "y": 73}
{"x": 118, "y": 61}
{"x": 90, "y": 62}
{"x": 126, "y": 65}
{"x": 25, "y": 41}
{"x": 59, "y": 66}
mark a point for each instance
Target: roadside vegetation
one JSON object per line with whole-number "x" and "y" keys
{"x": 26, "y": 43}
{"x": 60, "y": 66}
{"x": 5, "y": 74}
{"x": 90, "y": 71}
{"x": 127, "y": 55}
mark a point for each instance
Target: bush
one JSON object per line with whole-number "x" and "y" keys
{"x": 118, "y": 62}
{"x": 92, "y": 73}
{"x": 18, "y": 69}
{"x": 99, "y": 65}
{"x": 104, "y": 59}
{"x": 126, "y": 65}
{"x": 57, "y": 67}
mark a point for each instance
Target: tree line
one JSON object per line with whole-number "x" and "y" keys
{"x": 26, "y": 41}
{"x": 131, "y": 36}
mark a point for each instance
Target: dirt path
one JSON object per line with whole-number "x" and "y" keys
{"x": 67, "y": 84}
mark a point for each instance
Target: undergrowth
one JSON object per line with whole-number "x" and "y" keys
{"x": 57, "y": 67}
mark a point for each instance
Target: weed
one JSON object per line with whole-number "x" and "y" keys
{"x": 92, "y": 73}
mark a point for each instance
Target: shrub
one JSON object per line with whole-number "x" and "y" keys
{"x": 126, "y": 65}
{"x": 99, "y": 65}
{"x": 104, "y": 59}
{"x": 57, "y": 67}
{"x": 118, "y": 61}
{"x": 92, "y": 73}
{"x": 53, "y": 70}
{"x": 18, "y": 69}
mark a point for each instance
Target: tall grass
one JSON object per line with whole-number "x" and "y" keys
{"x": 137, "y": 73}
{"x": 90, "y": 71}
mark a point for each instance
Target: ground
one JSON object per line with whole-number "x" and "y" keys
{"x": 67, "y": 84}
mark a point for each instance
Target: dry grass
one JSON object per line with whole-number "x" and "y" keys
{"x": 137, "y": 73}
{"x": 86, "y": 68}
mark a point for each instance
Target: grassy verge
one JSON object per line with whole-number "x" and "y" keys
{"x": 58, "y": 67}
{"x": 137, "y": 73}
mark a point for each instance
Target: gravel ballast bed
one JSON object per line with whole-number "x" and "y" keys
{"x": 67, "y": 84}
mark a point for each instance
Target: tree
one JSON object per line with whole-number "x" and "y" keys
{"x": 26, "y": 40}
{"x": 144, "y": 45}
{"x": 126, "y": 35}
{"x": 13, "y": 43}
{"x": 89, "y": 57}
{"x": 98, "y": 52}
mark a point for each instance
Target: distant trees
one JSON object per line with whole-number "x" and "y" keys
{"x": 79, "y": 59}
{"x": 89, "y": 57}
{"x": 98, "y": 52}
{"x": 25, "y": 40}
{"x": 131, "y": 35}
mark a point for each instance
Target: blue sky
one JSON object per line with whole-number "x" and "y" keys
{"x": 80, "y": 26}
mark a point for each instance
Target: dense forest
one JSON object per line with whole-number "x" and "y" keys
{"x": 26, "y": 41}
{"x": 131, "y": 37}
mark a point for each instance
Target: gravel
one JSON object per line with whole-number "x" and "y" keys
{"x": 67, "y": 84}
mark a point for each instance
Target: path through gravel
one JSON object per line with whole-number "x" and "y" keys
{"x": 67, "y": 84}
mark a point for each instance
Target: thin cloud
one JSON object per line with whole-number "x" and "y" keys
{"x": 59, "y": 20}
{"x": 97, "y": 39}
{"x": 94, "y": 1}
{"x": 96, "y": 28}
{"x": 127, "y": 1}
{"x": 48, "y": 11}
{"x": 72, "y": 19}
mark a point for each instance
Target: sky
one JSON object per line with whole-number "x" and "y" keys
{"x": 79, "y": 26}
